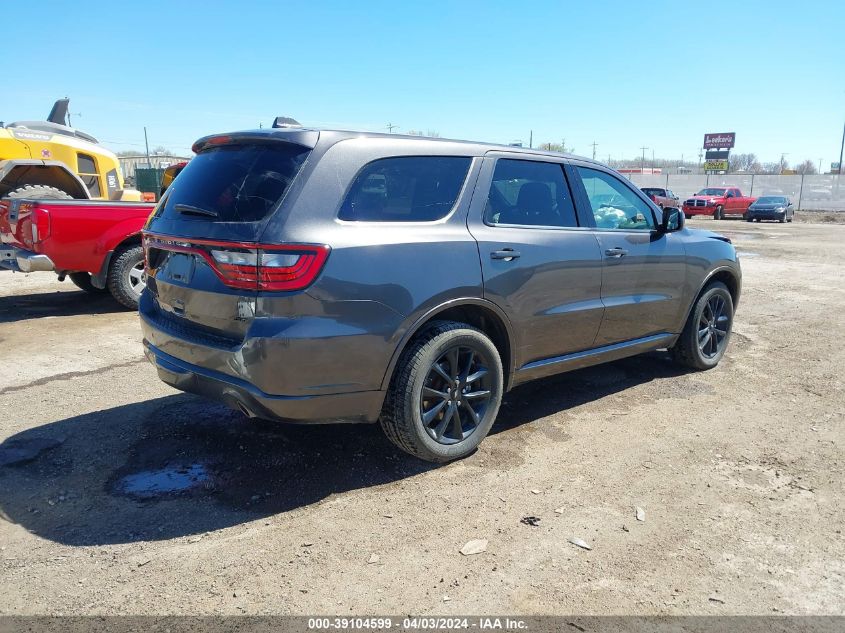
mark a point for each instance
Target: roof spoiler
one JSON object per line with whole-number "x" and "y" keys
{"x": 297, "y": 136}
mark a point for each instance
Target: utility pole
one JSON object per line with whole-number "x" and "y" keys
{"x": 391, "y": 127}
{"x": 700, "y": 154}
{"x": 642, "y": 164}
{"x": 652, "y": 161}
{"x": 783, "y": 154}
{"x": 821, "y": 169}
{"x": 594, "y": 149}
{"x": 147, "y": 143}
{"x": 841, "y": 147}
{"x": 531, "y": 139}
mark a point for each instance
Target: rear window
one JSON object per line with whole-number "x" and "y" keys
{"x": 234, "y": 183}
{"x": 405, "y": 189}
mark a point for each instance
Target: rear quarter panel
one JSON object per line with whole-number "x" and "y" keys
{"x": 380, "y": 277}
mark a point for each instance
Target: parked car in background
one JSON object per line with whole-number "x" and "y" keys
{"x": 771, "y": 208}
{"x": 718, "y": 202}
{"x": 316, "y": 276}
{"x": 661, "y": 197}
{"x": 95, "y": 244}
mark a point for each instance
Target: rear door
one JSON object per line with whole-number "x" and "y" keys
{"x": 202, "y": 240}
{"x": 539, "y": 264}
{"x": 643, "y": 271}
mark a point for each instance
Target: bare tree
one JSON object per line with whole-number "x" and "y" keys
{"x": 776, "y": 168}
{"x": 744, "y": 162}
{"x": 806, "y": 168}
{"x": 556, "y": 147}
{"x": 428, "y": 133}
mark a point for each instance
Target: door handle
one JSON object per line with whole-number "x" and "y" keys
{"x": 616, "y": 252}
{"x": 506, "y": 254}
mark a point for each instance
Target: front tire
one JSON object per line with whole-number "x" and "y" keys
{"x": 126, "y": 276}
{"x": 445, "y": 393}
{"x": 707, "y": 332}
{"x": 719, "y": 214}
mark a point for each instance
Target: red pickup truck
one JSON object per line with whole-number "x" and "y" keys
{"x": 96, "y": 244}
{"x": 718, "y": 202}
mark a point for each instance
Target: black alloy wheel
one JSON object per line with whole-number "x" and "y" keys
{"x": 456, "y": 394}
{"x": 713, "y": 327}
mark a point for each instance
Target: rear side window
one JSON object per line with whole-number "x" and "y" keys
{"x": 529, "y": 193}
{"x": 405, "y": 189}
{"x": 234, "y": 183}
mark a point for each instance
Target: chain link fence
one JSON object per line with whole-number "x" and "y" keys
{"x": 820, "y": 192}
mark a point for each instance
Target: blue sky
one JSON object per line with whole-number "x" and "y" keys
{"x": 622, "y": 74}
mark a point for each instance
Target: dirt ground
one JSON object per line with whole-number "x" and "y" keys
{"x": 126, "y": 496}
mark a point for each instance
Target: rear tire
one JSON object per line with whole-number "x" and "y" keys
{"x": 39, "y": 192}
{"x": 718, "y": 214}
{"x": 126, "y": 277}
{"x": 451, "y": 369}
{"x": 83, "y": 282}
{"x": 707, "y": 332}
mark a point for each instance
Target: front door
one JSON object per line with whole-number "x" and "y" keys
{"x": 644, "y": 270}
{"x": 538, "y": 264}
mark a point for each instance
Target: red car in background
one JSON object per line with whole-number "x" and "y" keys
{"x": 718, "y": 202}
{"x": 661, "y": 197}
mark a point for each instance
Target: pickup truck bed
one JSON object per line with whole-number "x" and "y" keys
{"x": 95, "y": 243}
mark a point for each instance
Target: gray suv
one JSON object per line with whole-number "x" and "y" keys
{"x": 325, "y": 276}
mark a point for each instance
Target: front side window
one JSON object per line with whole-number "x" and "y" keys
{"x": 614, "y": 205}
{"x": 529, "y": 193}
{"x": 87, "y": 169}
{"x": 406, "y": 189}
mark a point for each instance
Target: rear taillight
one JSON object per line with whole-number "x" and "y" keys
{"x": 251, "y": 266}
{"x": 40, "y": 225}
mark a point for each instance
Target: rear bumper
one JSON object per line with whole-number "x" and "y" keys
{"x": 25, "y": 261}
{"x": 361, "y": 406}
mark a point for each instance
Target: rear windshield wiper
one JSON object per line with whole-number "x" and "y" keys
{"x": 192, "y": 210}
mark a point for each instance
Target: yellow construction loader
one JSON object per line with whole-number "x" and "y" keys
{"x": 50, "y": 159}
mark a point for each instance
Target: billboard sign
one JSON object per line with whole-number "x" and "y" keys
{"x": 713, "y": 154}
{"x": 716, "y": 165}
{"x": 720, "y": 140}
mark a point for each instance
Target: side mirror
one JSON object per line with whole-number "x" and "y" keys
{"x": 673, "y": 220}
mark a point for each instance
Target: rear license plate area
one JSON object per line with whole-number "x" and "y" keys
{"x": 179, "y": 268}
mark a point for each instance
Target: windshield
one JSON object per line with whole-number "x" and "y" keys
{"x": 651, "y": 191}
{"x": 234, "y": 183}
{"x": 771, "y": 200}
{"x": 711, "y": 192}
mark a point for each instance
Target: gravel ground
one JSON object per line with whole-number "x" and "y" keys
{"x": 126, "y": 496}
